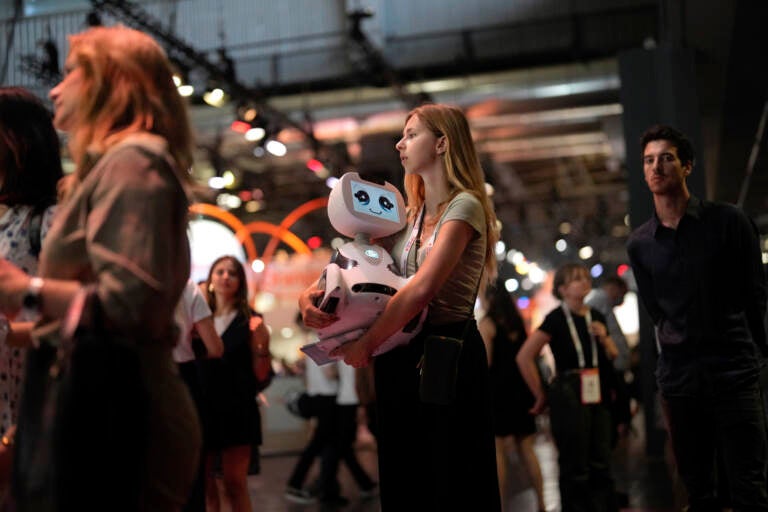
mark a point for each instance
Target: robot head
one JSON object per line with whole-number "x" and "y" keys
{"x": 360, "y": 206}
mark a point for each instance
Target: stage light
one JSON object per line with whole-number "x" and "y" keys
{"x": 622, "y": 269}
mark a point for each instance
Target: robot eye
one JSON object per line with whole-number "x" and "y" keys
{"x": 362, "y": 196}
{"x": 386, "y": 203}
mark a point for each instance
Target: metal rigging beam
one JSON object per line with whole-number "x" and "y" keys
{"x": 179, "y": 49}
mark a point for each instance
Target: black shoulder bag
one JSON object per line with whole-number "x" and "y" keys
{"x": 439, "y": 365}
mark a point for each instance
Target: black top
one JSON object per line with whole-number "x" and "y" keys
{"x": 704, "y": 287}
{"x": 511, "y": 396}
{"x": 231, "y": 416}
{"x": 564, "y": 351}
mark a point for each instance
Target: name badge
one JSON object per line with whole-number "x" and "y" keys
{"x": 590, "y": 386}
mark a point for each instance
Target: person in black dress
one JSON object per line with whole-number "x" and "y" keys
{"x": 503, "y": 332}
{"x": 233, "y": 422}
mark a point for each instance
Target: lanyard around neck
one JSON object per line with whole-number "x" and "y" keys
{"x": 415, "y": 236}
{"x": 577, "y": 340}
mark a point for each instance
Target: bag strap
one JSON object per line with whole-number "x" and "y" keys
{"x": 34, "y": 232}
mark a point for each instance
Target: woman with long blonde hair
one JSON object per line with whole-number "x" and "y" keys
{"x": 434, "y": 457}
{"x": 125, "y": 434}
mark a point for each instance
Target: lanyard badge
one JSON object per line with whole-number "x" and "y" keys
{"x": 589, "y": 378}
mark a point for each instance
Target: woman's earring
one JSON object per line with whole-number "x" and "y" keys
{"x": 210, "y": 287}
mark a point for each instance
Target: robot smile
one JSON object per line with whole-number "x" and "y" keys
{"x": 375, "y": 212}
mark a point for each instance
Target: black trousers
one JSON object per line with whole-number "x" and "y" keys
{"x": 583, "y": 435}
{"x": 321, "y": 441}
{"x": 731, "y": 426}
{"x": 432, "y": 457}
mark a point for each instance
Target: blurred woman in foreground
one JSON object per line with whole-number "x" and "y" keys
{"x": 125, "y": 435}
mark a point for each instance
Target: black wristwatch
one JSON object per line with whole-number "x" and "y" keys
{"x": 32, "y": 302}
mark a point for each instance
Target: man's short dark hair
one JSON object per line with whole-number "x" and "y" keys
{"x": 675, "y": 137}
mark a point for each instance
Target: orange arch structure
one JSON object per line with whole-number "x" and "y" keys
{"x": 243, "y": 231}
{"x": 293, "y": 241}
{"x": 290, "y": 220}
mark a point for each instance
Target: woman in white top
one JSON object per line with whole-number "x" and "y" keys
{"x": 195, "y": 321}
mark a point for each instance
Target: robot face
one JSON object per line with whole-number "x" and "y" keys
{"x": 374, "y": 201}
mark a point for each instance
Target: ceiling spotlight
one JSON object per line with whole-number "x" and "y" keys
{"x": 586, "y": 252}
{"x": 216, "y": 97}
{"x": 511, "y": 285}
{"x": 276, "y": 147}
{"x": 216, "y": 182}
{"x": 255, "y": 134}
{"x": 185, "y": 90}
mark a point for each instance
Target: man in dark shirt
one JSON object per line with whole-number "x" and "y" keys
{"x": 699, "y": 274}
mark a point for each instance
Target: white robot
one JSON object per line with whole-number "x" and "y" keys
{"x": 361, "y": 277}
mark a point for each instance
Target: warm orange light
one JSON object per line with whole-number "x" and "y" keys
{"x": 286, "y": 236}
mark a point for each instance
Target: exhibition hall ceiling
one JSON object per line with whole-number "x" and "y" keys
{"x": 550, "y": 140}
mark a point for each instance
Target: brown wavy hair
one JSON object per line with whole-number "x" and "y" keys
{"x": 462, "y": 169}
{"x": 127, "y": 88}
{"x": 241, "y": 296}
